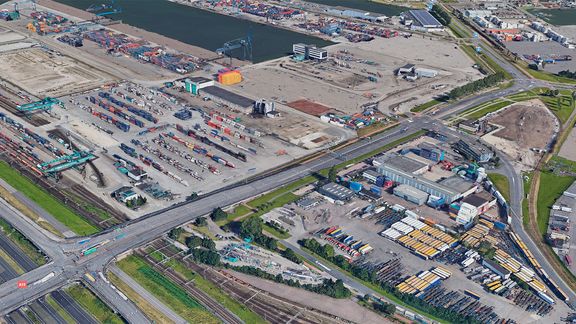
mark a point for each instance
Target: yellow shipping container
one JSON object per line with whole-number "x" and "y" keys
{"x": 229, "y": 78}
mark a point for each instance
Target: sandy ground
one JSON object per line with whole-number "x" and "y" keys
{"x": 342, "y": 84}
{"x": 42, "y": 73}
{"x": 343, "y": 308}
{"x": 522, "y": 127}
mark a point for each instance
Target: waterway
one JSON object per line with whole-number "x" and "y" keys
{"x": 558, "y": 17}
{"x": 366, "y": 5}
{"x": 202, "y": 28}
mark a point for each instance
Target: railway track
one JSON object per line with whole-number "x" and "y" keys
{"x": 270, "y": 307}
{"x": 9, "y": 106}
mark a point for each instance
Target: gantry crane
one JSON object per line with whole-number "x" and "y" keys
{"x": 244, "y": 43}
{"x": 44, "y": 104}
{"x": 65, "y": 162}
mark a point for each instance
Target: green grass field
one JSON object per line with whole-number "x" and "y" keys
{"x": 166, "y": 291}
{"x": 527, "y": 178}
{"x": 545, "y": 76}
{"x": 274, "y": 232}
{"x": 501, "y": 182}
{"x": 551, "y": 187}
{"x": 213, "y": 291}
{"x": 561, "y": 106}
{"x": 62, "y": 213}
{"x": 426, "y": 105}
{"x": 93, "y": 304}
{"x": 488, "y": 109}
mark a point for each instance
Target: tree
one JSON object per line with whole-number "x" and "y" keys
{"x": 332, "y": 174}
{"x": 201, "y": 221}
{"x": 193, "y": 241}
{"x": 290, "y": 255}
{"x": 206, "y": 256}
{"x": 251, "y": 227}
{"x": 192, "y": 196}
{"x": 218, "y": 214}
{"x": 208, "y": 244}
{"x": 175, "y": 233}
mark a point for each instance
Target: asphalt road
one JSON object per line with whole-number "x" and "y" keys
{"x": 67, "y": 265}
{"x": 73, "y": 308}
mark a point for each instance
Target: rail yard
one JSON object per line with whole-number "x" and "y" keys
{"x": 373, "y": 179}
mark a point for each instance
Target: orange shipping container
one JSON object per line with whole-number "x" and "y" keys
{"x": 229, "y": 78}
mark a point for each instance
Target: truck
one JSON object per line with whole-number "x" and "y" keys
{"x": 568, "y": 259}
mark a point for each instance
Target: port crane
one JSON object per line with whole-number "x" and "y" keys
{"x": 244, "y": 43}
{"x": 65, "y": 162}
{"x": 105, "y": 9}
{"x": 44, "y": 105}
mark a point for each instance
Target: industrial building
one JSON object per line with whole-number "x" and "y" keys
{"x": 404, "y": 170}
{"x": 336, "y": 192}
{"x": 482, "y": 201}
{"x": 309, "y": 52}
{"x": 460, "y": 184}
{"x": 194, "y": 84}
{"x": 469, "y": 125}
{"x": 422, "y": 20}
{"x": 264, "y": 107}
{"x": 496, "y": 268}
{"x": 411, "y": 194}
{"x": 431, "y": 152}
{"x": 351, "y": 13}
{"x": 231, "y": 99}
{"x": 474, "y": 151}
{"x": 401, "y": 163}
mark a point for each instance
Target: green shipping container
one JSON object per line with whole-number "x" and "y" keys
{"x": 90, "y": 251}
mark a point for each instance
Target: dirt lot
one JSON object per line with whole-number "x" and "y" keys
{"x": 47, "y": 74}
{"x": 362, "y": 73}
{"x": 523, "y": 127}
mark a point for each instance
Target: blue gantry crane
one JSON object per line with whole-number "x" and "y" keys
{"x": 44, "y": 104}
{"x": 105, "y": 9}
{"x": 65, "y": 162}
{"x": 244, "y": 43}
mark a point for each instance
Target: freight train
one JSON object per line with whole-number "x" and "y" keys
{"x": 539, "y": 270}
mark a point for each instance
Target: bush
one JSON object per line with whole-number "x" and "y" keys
{"x": 218, "y": 214}
{"x": 175, "y": 233}
{"x": 567, "y": 74}
{"x": 290, "y": 255}
{"x": 440, "y": 14}
{"x": 201, "y": 221}
{"x": 193, "y": 241}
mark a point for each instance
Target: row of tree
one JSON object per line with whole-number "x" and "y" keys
{"x": 369, "y": 274}
{"x": 567, "y": 74}
{"x": 441, "y": 14}
{"x": 478, "y": 85}
{"x": 332, "y": 288}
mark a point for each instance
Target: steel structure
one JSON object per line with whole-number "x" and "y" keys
{"x": 105, "y": 9}
{"x": 44, "y": 104}
{"x": 65, "y": 162}
{"x": 244, "y": 43}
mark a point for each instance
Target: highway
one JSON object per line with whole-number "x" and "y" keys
{"x": 67, "y": 265}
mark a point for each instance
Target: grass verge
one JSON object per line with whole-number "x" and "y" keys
{"x": 11, "y": 262}
{"x": 151, "y": 312}
{"x": 501, "y": 182}
{"x": 23, "y": 243}
{"x": 274, "y": 232}
{"x": 551, "y": 187}
{"x": 166, "y": 291}
{"x": 425, "y": 105}
{"x": 50, "y": 204}
{"x": 16, "y": 203}
{"x": 93, "y": 304}
{"x": 61, "y": 311}
{"x": 241, "y": 310}
{"x": 527, "y": 179}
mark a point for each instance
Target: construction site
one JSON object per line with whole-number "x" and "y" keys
{"x": 524, "y": 131}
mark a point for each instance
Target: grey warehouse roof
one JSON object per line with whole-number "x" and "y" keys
{"x": 337, "y": 190}
{"x": 402, "y": 163}
{"x": 424, "y": 18}
{"x": 229, "y": 96}
{"x": 457, "y": 183}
